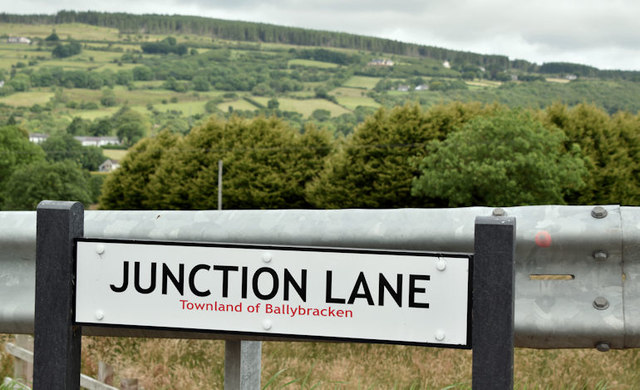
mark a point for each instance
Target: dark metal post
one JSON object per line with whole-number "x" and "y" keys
{"x": 493, "y": 297}
{"x": 57, "y": 341}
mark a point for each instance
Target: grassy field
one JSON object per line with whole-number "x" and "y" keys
{"x": 312, "y": 63}
{"x": 187, "y": 108}
{"x": 239, "y": 104}
{"x": 27, "y": 99}
{"x": 305, "y": 107}
{"x": 483, "y": 83}
{"x": 362, "y": 82}
{"x": 557, "y": 80}
{"x": 353, "y": 102}
{"x": 95, "y": 114}
{"x": 191, "y": 364}
{"x": 75, "y": 30}
{"x": 114, "y": 154}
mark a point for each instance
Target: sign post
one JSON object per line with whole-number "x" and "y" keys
{"x": 493, "y": 293}
{"x": 57, "y": 341}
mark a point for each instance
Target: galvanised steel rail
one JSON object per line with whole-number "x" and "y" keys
{"x": 577, "y": 267}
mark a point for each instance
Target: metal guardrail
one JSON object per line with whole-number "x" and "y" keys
{"x": 577, "y": 267}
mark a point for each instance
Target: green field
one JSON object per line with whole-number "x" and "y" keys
{"x": 483, "y": 83}
{"x": 114, "y": 154}
{"x": 353, "y": 102}
{"x": 239, "y": 104}
{"x": 95, "y": 114}
{"x": 74, "y": 30}
{"x": 305, "y": 107}
{"x": 362, "y": 82}
{"x": 187, "y": 108}
{"x": 27, "y": 99}
{"x": 312, "y": 63}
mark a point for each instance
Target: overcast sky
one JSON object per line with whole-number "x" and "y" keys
{"x": 601, "y": 33}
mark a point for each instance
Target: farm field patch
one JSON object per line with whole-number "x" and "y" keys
{"x": 27, "y": 99}
{"x": 312, "y": 63}
{"x": 305, "y": 107}
{"x": 75, "y": 30}
{"x": 363, "y": 82}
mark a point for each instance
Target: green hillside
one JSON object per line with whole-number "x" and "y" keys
{"x": 175, "y": 71}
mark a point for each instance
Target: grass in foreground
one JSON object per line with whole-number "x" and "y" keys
{"x": 190, "y": 364}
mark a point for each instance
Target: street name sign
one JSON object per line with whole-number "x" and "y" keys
{"x": 394, "y": 297}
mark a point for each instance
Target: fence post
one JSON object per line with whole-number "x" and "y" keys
{"x": 242, "y": 360}
{"x": 22, "y": 369}
{"x": 57, "y": 342}
{"x": 493, "y": 293}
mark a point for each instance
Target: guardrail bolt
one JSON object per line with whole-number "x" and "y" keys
{"x": 600, "y": 255}
{"x": 498, "y": 212}
{"x": 599, "y": 212}
{"x": 603, "y": 347}
{"x": 601, "y": 303}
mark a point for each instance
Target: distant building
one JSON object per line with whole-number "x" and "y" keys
{"x": 22, "y": 40}
{"x": 422, "y": 87}
{"x": 97, "y": 141}
{"x": 446, "y": 64}
{"x": 571, "y": 77}
{"x": 38, "y": 138}
{"x": 403, "y": 88}
{"x": 109, "y": 165}
{"x": 381, "y": 62}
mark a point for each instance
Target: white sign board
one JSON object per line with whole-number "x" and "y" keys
{"x": 377, "y": 296}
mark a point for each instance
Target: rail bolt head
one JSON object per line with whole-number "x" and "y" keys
{"x": 599, "y": 212}
{"x": 498, "y": 212}
{"x": 601, "y": 303}
{"x": 603, "y": 347}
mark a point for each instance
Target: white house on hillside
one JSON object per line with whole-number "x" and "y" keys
{"x": 97, "y": 141}
{"x": 22, "y": 40}
{"x": 38, "y": 138}
{"x": 109, "y": 165}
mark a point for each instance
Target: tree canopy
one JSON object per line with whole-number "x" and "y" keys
{"x": 32, "y": 183}
{"x": 15, "y": 151}
{"x": 371, "y": 168}
{"x": 504, "y": 159}
{"x": 266, "y": 165}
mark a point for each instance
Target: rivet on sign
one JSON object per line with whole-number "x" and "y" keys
{"x": 599, "y": 212}
{"x": 603, "y": 347}
{"x": 499, "y": 212}
{"x": 100, "y": 249}
{"x": 441, "y": 265}
{"x": 440, "y": 335}
{"x": 266, "y": 324}
{"x": 99, "y": 315}
{"x": 600, "y": 255}
{"x": 601, "y": 303}
{"x": 266, "y": 257}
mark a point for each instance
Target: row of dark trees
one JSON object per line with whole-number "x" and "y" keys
{"x": 450, "y": 155}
